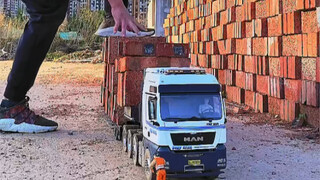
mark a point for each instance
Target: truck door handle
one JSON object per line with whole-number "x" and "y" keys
{"x": 148, "y": 133}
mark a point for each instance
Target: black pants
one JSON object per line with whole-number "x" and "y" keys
{"x": 45, "y": 18}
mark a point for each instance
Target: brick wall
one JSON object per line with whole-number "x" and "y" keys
{"x": 266, "y": 53}
{"x": 125, "y": 59}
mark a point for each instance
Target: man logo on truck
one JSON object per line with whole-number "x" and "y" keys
{"x": 193, "y": 139}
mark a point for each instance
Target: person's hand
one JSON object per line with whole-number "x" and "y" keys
{"x": 124, "y": 21}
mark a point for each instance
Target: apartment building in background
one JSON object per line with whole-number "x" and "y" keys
{"x": 75, "y": 6}
{"x": 137, "y": 8}
{"x": 11, "y": 8}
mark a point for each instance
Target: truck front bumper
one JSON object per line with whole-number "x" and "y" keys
{"x": 194, "y": 163}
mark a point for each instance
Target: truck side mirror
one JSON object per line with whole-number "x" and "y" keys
{"x": 155, "y": 123}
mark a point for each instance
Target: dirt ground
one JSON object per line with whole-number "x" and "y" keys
{"x": 84, "y": 147}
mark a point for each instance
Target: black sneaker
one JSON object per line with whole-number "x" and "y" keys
{"x": 20, "y": 118}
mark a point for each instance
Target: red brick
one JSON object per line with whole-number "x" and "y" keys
{"x": 292, "y": 89}
{"x": 263, "y": 84}
{"x": 240, "y": 79}
{"x": 274, "y": 105}
{"x": 238, "y": 95}
{"x": 274, "y": 46}
{"x": 120, "y": 89}
{"x": 133, "y": 48}
{"x": 227, "y": 46}
{"x": 300, "y": 4}
{"x": 230, "y": 77}
{"x": 261, "y": 9}
{"x": 116, "y": 45}
{"x": 240, "y": 13}
{"x": 230, "y": 92}
{"x": 231, "y": 14}
{"x": 230, "y": 30}
{"x": 223, "y": 17}
{"x": 312, "y": 115}
{"x": 309, "y": 4}
{"x": 274, "y": 7}
{"x": 260, "y": 46}
{"x": 309, "y": 66}
{"x": 250, "y": 10}
{"x": 291, "y": 67}
{"x": 311, "y": 44}
{"x": 275, "y": 25}
{"x": 261, "y": 104}
{"x": 132, "y": 87}
{"x": 289, "y": 110}
{"x": 310, "y": 93}
{"x": 292, "y": 45}
{"x": 104, "y": 47}
{"x": 250, "y": 64}
{"x": 309, "y": 22}
{"x": 276, "y": 87}
{"x": 289, "y": 5}
{"x": 140, "y": 63}
{"x": 275, "y": 68}
{"x": 211, "y": 47}
{"x": 261, "y": 27}
{"x": 112, "y": 79}
{"x": 202, "y": 47}
{"x": 194, "y": 59}
{"x": 219, "y": 62}
{"x": 250, "y": 98}
{"x": 262, "y": 65}
{"x": 250, "y": 82}
{"x": 292, "y": 23}
{"x": 240, "y": 62}
{"x": 203, "y": 60}
{"x": 242, "y": 46}
{"x": 249, "y": 27}
{"x": 222, "y": 74}
{"x": 232, "y": 62}
{"x": 180, "y": 62}
{"x": 230, "y": 3}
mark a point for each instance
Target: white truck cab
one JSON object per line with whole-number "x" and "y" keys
{"x": 183, "y": 118}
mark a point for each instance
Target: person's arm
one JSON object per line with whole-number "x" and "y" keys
{"x": 152, "y": 165}
{"x": 123, "y": 19}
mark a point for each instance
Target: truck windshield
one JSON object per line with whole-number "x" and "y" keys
{"x": 190, "y": 106}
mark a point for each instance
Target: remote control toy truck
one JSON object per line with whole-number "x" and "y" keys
{"x": 181, "y": 116}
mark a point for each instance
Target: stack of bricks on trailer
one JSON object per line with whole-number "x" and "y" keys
{"x": 266, "y": 53}
{"x": 125, "y": 59}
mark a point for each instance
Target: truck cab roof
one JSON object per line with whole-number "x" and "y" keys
{"x": 178, "y": 76}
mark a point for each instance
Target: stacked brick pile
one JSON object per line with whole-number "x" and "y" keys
{"x": 265, "y": 52}
{"x": 125, "y": 59}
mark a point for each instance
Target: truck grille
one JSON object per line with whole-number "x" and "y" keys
{"x": 193, "y": 139}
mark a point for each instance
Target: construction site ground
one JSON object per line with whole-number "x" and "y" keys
{"x": 258, "y": 145}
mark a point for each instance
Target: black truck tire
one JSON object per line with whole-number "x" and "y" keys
{"x": 137, "y": 137}
{"x": 141, "y": 153}
{"x": 117, "y": 133}
{"x": 130, "y": 134}
{"x": 148, "y": 160}
{"x": 125, "y": 129}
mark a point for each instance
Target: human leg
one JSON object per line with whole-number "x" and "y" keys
{"x": 15, "y": 115}
{"x": 45, "y": 18}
